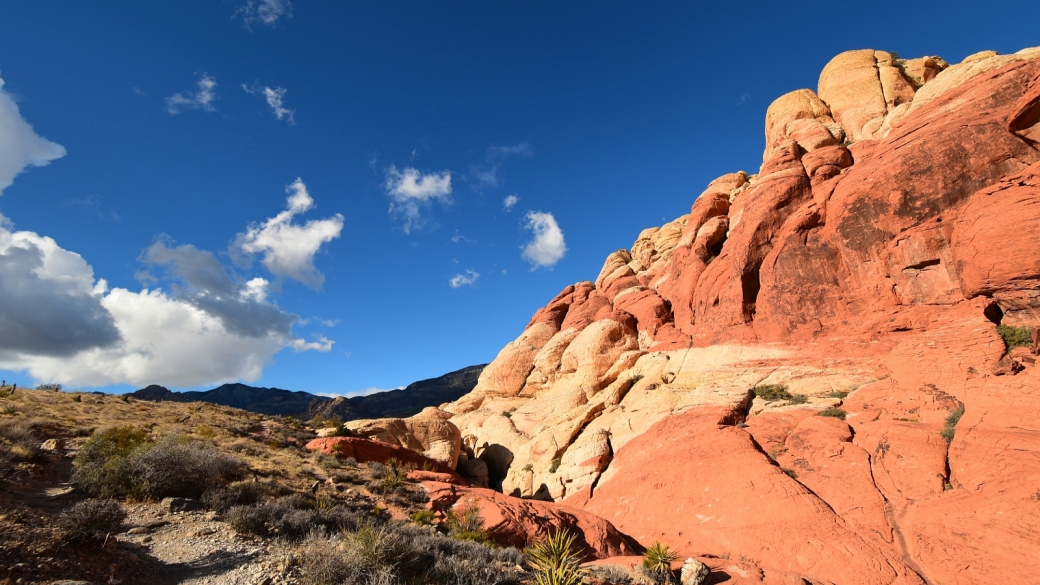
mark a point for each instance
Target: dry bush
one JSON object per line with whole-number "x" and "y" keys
{"x": 405, "y": 554}
{"x": 291, "y": 517}
{"x": 122, "y": 461}
{"x": 90, "y": 520}
{"x": 19, "y": 442}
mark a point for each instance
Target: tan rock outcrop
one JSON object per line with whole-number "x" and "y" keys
{"x": 434, "y": 437}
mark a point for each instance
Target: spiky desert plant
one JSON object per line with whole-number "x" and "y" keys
{"x": 658, "y": 560}
{"x": 556, "y": 560}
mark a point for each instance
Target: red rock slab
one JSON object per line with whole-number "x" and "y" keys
{"x": 366, "y": 450}
{"x": 419, "y": 476}
{"x": 704, "y": 488}
{"x": 771, "y": 429}
{"x": 820, "y": 451}
{"x": 730, "y": 572}
{"x": 516, "y": 522}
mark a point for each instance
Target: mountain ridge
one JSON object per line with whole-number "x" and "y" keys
{"x": 400, "y": 402}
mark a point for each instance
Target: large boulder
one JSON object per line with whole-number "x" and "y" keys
{"x": 515, "y": 522}
{"x": 365, "y": 451}
{"x": 433, "y": 436}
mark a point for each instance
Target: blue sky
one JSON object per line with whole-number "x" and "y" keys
{"x": 313, "y": 195}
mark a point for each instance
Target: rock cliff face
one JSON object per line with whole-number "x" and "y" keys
{"x": 894, "y": 223}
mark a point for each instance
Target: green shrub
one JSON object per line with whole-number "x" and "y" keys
{"x": 90, "y": 520}
{"x": 833, "y": 412}
{"x": 658, "y": 559}
{"x": 772, "y": 392}
{"x": 790, "y": 472}
{"x": 466, "y": 523}
{"x": 423, "y": 517}
{"x": 556, "y": 560}
{"x": 951, "y": 422}
{"x": 555, "y": 465}
{"x": 799, "y": 399}
{"x": 1015, "y": 336}
{"x": 839, "y": 394}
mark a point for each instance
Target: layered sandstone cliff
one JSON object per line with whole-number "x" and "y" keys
{"x": 894, "y": 223}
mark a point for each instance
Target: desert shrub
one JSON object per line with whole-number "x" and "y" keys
{"x": 238, "y": 493}
{"x": 556, "y": 560}
{"x": 612, "y": 574}
{"x": 422, "y": 517}
{"x": 349, "y": 462}
{"x": 839, "y": 394}
{"x": 798, "y": 399}
{"x": 122, "y": 461}
{"x": 175, "y": 467}
{"x": 404, "y": 554}
{"x": 20, "y": 442}
{"x": 833, "y": 412}
{"x": 466, "y": 523}
{"x": 951, "y": 422}
{"x": 90, "y": 520}
{"x": 376, "y": 469}
{"x": 790, "y": 472}
{"x": 772, "y": 392}
{"x": 555, "y": 465}
{"x": 657, "y": 562}
{"x": 1015, "y": 336}
{"x": 291, "y": 517}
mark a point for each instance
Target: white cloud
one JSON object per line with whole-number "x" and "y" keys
{"x": 547, "y": 247}
{"x": 20, "y": 146}
{"x": 288, "y": 249}
{"x": 275, "y": 99}
{"x": 459, "y": 280}
{"x": 266, "y": 12}
{"x": 510, "y": 202}
{"x": 486, "y": 175}
{"x": 323, "y": 344}
{"x": 200, "y": 100}
{"x": 60, "y": 324}
{"x": 410, "y": 191}
{"x": 352, "y": 393}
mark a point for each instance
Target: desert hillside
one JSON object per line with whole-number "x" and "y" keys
{"x": 824, "y": 369}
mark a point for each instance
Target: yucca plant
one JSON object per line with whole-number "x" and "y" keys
{"x": 556, "y": 560}
{"x": 658, "y": 561}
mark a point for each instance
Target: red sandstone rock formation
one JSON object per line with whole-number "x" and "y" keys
{"x": 366, "y": 450}
{"x": 895, "y": 221}
{"x": 515, "y": 522}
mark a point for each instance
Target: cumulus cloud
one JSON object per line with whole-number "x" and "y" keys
{"x": 288, "y": 249}
{"x": 547, "y": 247}
{"x": 275, "y": 100}
{"x": 510, "y": 202}
{"x": 486, "y": 175}
{"x": 410, "y": 191}
{"x": 20, "y": 146}
{"x": 460, "y": 280}
{"x": 266, "y": 12}
{"x": 205, "y": 283}
{"x": 49, "y": 303}
{"x": 60, "y": 324}
{"x": 199, "y": 100}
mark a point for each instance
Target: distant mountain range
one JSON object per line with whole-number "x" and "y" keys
{"x": 275, "y": 401}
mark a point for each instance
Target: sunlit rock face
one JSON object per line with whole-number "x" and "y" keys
{"x": 893, "y": 224}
